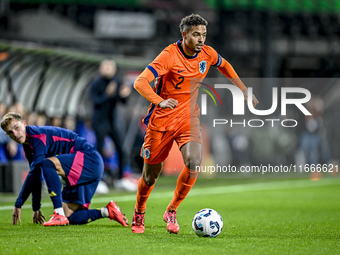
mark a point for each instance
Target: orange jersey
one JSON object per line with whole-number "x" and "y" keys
{"x": 177, "y": 76}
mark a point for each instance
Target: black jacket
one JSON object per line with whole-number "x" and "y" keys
{"x": 104, "y": 106}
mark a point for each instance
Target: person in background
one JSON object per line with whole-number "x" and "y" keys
{"x": 106, "y": 91}
{"x": 41, "y": 119}
{"x": 69, "y": 123}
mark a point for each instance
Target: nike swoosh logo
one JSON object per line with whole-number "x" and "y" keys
{"x": 179, "y": 71}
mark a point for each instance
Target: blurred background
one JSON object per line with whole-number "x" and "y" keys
{"x": 50, "y": 53}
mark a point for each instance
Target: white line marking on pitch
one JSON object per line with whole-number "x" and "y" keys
{"x": 279, "y": 185}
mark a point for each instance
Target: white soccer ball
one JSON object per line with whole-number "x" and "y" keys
{"x": 207, "y": 223}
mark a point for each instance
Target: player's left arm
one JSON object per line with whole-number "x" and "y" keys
{"x": 228, "y": 71}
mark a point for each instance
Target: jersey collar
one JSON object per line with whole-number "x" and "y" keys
{"x": 179, "y": 44}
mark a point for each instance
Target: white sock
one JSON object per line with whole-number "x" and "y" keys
{"x": 105, "y": 212}
{"x": 59, "y": 211}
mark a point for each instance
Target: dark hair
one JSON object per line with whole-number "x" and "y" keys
{"x": 192, "y": 20}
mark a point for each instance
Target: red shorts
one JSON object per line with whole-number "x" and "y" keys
{"x": 157, "y": 144}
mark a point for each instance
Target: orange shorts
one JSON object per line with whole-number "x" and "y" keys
{"x": 157, "y": 144}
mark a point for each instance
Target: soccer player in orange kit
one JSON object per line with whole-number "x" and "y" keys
{"x": 174, "y": 114}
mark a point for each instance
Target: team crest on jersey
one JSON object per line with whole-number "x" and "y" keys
{"x": 203, "y": 66}
{"x": 146, "y": 153}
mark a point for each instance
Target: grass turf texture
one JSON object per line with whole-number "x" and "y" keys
{"x": 260, "y": 217}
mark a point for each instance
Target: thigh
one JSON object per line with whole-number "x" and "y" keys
{"x": 156, "y": 146}
{"x": 190, "y": 141}
{"x": 189, "y": 132}
{"x": 59, "y": 169}
{"x": 82, "y": 167}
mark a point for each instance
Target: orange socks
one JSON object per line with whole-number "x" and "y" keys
{"x": 185, "y": 181}
{"x": 143, "y": 193}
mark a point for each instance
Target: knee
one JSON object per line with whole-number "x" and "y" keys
{"x": 149, "y": 179}
{"x": 151, "y": 173}
{"x": 192, "y": 161}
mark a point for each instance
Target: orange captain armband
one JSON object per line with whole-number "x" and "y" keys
{"x": 143, "y": 87}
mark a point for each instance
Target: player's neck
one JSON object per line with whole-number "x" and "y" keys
{"x": 187, "y": 50}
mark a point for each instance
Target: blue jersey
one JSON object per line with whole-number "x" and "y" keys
{"x": 45, "y": 142}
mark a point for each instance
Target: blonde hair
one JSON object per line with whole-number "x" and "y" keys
{"x": 9, "y": 117}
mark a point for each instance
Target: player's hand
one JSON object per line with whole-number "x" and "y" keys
{"x": 254, "y": 99}
{"x": 168, "y": 103}
{"x": 16, "y": 215}
{"x": 38, "y": 217}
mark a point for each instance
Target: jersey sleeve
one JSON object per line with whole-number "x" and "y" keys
{"x": 143, "y": 87}
{"x": 159, "y": 67}
{"x": 39, "y": 151}
{"x": 225, "y": 68}
{"x": 228, "y": 71}
{"x": 32, "y": 185}
{"x": 162, "y": 63}
{"x": 216, "y": 59}
{"x": 33, "y": 180}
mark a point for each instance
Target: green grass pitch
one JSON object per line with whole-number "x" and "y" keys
{"x": 295, "y": 216}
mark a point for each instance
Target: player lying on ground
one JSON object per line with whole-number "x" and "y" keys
{"x": 171, "y": 117}
{"x": 51, "y": 152}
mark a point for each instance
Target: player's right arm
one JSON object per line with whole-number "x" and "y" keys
{"x": 29, "y": 185}
{"x": 160, "y": 66}
{"x": 16, "y": 215}
{"x": 32, "y": 182}
{"x": 142, "y": 86}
